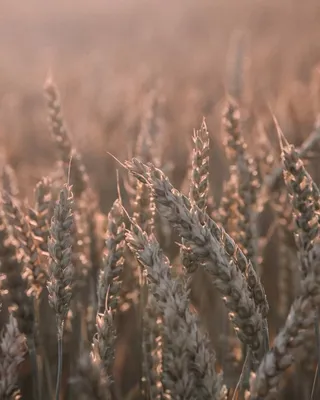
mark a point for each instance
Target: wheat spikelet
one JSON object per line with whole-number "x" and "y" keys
{"x": 199, "y": 188}
{"x": 60, "y": 268}
{"x": 248, "y": 183}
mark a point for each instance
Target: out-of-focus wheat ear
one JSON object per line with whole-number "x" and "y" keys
{"x": 199, "y": 187}
{"x": 284, "y": 275}
{"x": 188, "y": 360}
{"x": 110, "y": 279}
{"x": 265, "y": 154}
{"x": 147, "y": 149}
{"x": 35, "y": 270}
{"x": 40, "y": 215}
{"x": 248, "y": 182}
{"x": 273, "y": 179}
{"x": 185, "y": 184}
{"x": 95, "y": 234}
{"x": 14, "y": 286}
{"x": 199, "y": 183}
{"x": 283, "y": 210}
{"x": 236, "y": 148}
{"x": 82, "y": 319}
{"x": 61, "y": 268}
{"x": 236, "y": 255}
{"x": 292, "y": 335}
{"x": 286, "y": 250}
{"x": 144, "y": 208}
{"x": 78, "y": 176}
{"x": 305, "y": 199}
{"x": 152, "y": 343}
{"x": 206, "y": 251}
{"x": 12, "y": 352}
{"x": 149, "y": 330}
{"x": 90, "y": 383}
{"x": 109, "y": 288}
{"x": 227, "y": 214}
{"x": 81, "y": 255}
{"x": 302, "y": 190}
{"x": 236, "y": 64}
{"x": 149, "y": 144}
{"x": 105, "y": 340}
{"x": 9, "y": 181}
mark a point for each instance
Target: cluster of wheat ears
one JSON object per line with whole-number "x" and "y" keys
{"x": 91, "y": 269}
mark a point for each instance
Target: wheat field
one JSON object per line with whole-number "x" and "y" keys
{"x": 160, "y": 201}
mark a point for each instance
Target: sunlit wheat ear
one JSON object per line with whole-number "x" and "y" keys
{"x": 302, "y": 315}
{"x": 144, "y": 208}
{"x": 199, "y": 183}
{"x": 287, "y": 261}
{"x": 295, "y": 331}
{"x": 61, "y": 268}
{"x": 248, "y": 183}
{"x": 207, "y": 251}
{"x": 237, "y": 152}
{"x": 302, "y": 191}
{"x": 110, "y": 279}
{"x": 199, "y": 188}
{"x": 109, "y": 290}
{"x": 152, "y": 334}
{"x": 12, "y": 352}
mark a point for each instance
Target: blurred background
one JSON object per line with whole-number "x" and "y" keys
{"x": 105, "y": 56}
